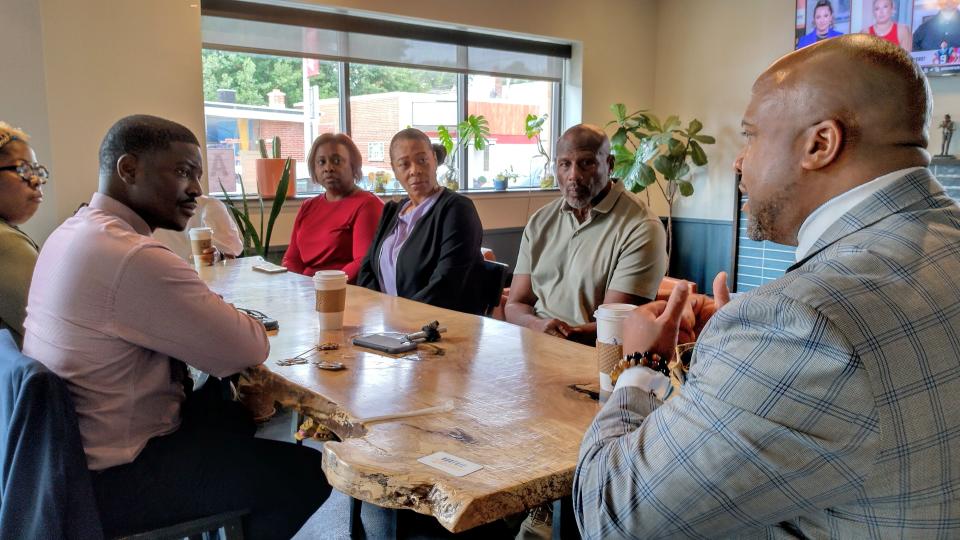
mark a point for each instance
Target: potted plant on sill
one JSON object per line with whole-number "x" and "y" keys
{"x": 380, "y": 182}
{"x": 257, "y": 241}
{"x": 648, "y": 152}
{"x": 473, "y": 131}
{"x": 503, "y": 178}
{"x": 533, "y": 126}
{"x": 269, "y": 170}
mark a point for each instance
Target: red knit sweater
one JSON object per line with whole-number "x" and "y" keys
{"x": 333, "y": 235}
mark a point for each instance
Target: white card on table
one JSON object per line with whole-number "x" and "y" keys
{"x": 450, "y": 464}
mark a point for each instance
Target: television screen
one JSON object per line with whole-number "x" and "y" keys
{"x": 928, "y": 29}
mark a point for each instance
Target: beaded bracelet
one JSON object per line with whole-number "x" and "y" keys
{"x": 651, "y": 360}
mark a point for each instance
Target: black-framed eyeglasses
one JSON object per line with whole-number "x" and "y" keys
{"x": 28, "y": 171}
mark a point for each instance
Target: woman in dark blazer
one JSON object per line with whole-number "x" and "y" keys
{"x": 427, "y": 245}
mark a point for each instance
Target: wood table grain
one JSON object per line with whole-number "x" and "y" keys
{"x": 514, "y": 411}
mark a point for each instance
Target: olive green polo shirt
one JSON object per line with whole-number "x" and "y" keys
{"x": 620, "y": 246}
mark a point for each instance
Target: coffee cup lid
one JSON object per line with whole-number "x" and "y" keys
{"x": 201, "y": 230}
{"x": 329, "y": 275}
{"x": 614, "y": 311}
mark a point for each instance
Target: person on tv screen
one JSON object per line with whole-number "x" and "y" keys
{"x": 885, "y": 25}
{"x": 943, "y": 54}
{"x": 942, "y": 27}
{"x": 822, "y": 25}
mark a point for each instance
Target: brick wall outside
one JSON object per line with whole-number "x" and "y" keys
{"x": 374, "y": 119}
{"x": 329, "y": 110}
{"x": 291, "y": 137}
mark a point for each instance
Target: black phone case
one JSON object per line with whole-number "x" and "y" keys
{"x": 387, "y": 344}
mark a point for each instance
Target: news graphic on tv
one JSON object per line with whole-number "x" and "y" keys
{"x": 928, "y": 29}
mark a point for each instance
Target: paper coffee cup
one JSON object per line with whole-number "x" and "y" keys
{"x": 609, "y": 319}
{"x": 201, "y": 238}
{"x": 331, "y": 291}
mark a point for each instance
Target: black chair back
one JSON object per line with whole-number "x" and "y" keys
{"x": 493, "y": 279}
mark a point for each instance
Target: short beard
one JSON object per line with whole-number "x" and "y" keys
{"x": 577, "y": 204}
{"x": 762, "y": 221}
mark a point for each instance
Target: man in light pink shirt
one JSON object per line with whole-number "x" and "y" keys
{"x": 117, "y": 314}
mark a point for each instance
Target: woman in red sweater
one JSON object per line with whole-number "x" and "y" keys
{"x": 333, "y": 231}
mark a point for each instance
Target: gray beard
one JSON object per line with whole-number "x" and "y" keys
{"x": 577, "y": 204}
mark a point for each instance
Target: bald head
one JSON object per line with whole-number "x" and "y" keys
{"x": 872, "y": 88}
{"x": 584, "y": 137}
{"x": 824, "y": 120}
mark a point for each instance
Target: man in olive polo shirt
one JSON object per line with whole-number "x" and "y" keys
{"x": 595, "y": 245}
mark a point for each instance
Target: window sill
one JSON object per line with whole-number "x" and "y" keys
{"x": 298, "y": 199}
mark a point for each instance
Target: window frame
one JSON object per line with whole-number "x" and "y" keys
{"x": 343, "y": 74}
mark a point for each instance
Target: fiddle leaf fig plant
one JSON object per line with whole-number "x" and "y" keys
{"x": 473, "y": 131}
{"x": 533, "y": 127}
{"x": 648, "y": 152}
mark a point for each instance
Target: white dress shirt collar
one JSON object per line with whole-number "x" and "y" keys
{"x": 831, "y": 211}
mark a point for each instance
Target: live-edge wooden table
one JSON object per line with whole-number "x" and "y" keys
{"x": 514, "y": 411}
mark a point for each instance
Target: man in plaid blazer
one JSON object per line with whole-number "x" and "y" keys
{"x": 823, "y": 404}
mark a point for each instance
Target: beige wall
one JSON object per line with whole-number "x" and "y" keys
{"x": 616, "y": 37}
{"x": 22, "y": 95}
{"x": 95, "y": 61}
{"x": 710, "y": 52}
{"x": 108, "y": 59}
{"x": 718, "y": 50}
{"x": 82, "y": 65}
{"x": 946, "y": 100}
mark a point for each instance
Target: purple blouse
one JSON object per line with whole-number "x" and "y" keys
{"x": 390, "y": 249}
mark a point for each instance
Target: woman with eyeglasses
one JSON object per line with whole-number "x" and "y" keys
{"x": 20, "y": 196}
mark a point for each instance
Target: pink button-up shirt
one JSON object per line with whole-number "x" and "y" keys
{"x": 108, "y": 308}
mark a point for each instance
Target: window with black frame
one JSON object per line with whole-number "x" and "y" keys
{"x": 296, "y": 73}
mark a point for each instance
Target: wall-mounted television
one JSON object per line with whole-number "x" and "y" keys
{"x": 928, "y": 29}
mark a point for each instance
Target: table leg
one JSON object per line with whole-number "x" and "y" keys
{"x": 564, "y": 524}
{"x": 298, "y": 420}
{"x": 356, "y": 522}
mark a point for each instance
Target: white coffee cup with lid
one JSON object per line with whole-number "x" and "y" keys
{"x": 609, "y": 319}
{"x": 331, "y": 292}
{"x": 201, "y": 239}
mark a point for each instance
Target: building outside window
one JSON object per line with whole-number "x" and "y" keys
{"x": 263, "y": 79}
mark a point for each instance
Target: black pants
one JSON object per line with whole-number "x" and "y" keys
{"x": 213, "y": 464}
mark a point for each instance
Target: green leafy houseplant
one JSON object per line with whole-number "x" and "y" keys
{"x": 503, "y": 178}
{"x": 473, "y": 131}
{"x": 649, "y": 152}
{"x": 256, "y": 241}
{"x": 533, "y": 127}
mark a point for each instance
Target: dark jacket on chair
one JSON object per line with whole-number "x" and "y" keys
{"x": 438, "y": 262}
{"x": 45, "y": 488}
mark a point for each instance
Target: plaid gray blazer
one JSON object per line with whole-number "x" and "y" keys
{"x": 823, "y": 404}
